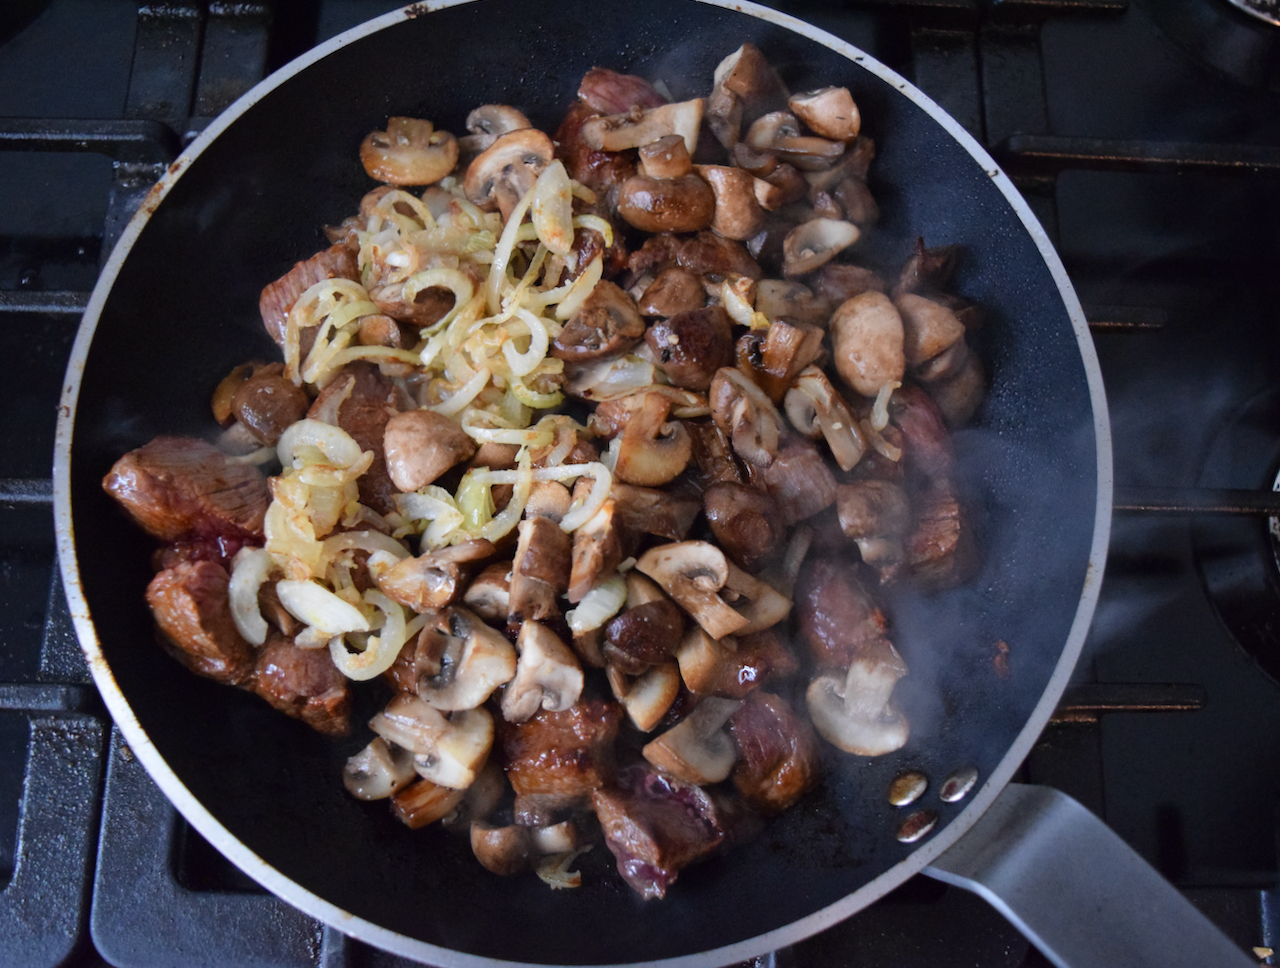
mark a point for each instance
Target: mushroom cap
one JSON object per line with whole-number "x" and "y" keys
{"x": 496, "y": 119}
{"x": 409, "y": 152}
{"x": 606, "y": 324}
{"x": 867, "y": 340}
{"x": 378, "y": 771}
{"x": 685, "y": 204}
{"x": 691, "y": 346}
{"x": 489, "y": 593}
{"x": 692, "y": 572}
{"x": 514, "y": 158}
{"x": 829, "y": 112}
{"x": 815, "y": 243}
{"x": 738, "y": 215}
{"x": 651, "y": 451}
{"x": 420, "y": 445}
{"x": 502, "y": 850}
{"x": 668, "y": 157}
{"x": 928, "y": 327}
{"x": 648, "y": 697}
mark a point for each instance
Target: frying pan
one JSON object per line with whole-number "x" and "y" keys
{"x": 176, "y": 308}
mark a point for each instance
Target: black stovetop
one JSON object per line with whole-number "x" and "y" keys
{"x": 1146, "y": 136}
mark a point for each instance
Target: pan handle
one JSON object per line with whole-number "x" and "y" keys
{"x": 1077, "y": 891}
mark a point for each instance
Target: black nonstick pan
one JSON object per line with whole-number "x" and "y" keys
{"x": 176, "y": 308}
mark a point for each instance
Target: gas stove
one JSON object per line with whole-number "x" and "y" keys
{"x": 1146, "y": 137}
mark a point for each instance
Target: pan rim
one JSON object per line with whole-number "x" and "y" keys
{"x": 364, "y": 930}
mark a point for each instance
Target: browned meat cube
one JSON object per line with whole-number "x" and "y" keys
{"x": 305, "y": 684}
{"x": 562, "y": 755}
{"x": 778, "y": 760}
{"x": 759, "y": 657}
{"x": 191, "y": 606}
{"x": 180, "y": 488}
{"x": 656, "y": 825}
{"x": 364, "y": 415}
{"x": 838, "y": 619}
{"x": 336, "y": 262}
{"x": 940, "y": 551}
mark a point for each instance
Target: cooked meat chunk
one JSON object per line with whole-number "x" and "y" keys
{"x": 926, "y": 445}
{"x": 606, "y": 325}
{"x": 747, "y": 522}
{"x": 838, "y": 619}
{"x": 179, "y": 488}
{"x": 564, "y": 755}
{"x": 336, "y": 262}
{"x": 778, "y": 753}
{"x": 608, "y": 92}
{"x": 692, "y": 345}
{"x": 364, "y": 413}
{"x": 940, "y": 550}
{"x": 800, "y": 481}
{"x": 656, "y": 825}
{"x": 191, "y": 607}
{"x": 305, "y": 684}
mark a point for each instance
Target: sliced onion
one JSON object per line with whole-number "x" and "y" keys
{"x": 313, "y": 604}
{"x": 306, "y": 437}
{"x": 880, "y": 409}
{"x": 249, "y": 569}
{"x": 522, "y": 364}
{"x": 581, "y": 288}
{"x": 608, "y": 379}
{"x": 598, "y": 605}
{"x": 602, "y": 481}
{"x": 381, "y": 650}
{"x": 464, "y": 395}
{"x": 370, "y": 541}
{"x": 552, "y": 211}
{"x": 435, "y": 504}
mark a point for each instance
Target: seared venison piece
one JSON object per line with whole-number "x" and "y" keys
{"x": 838, "y": 619}
{"x": 927, "y": 455}
{"x": 191, "y": 607}
{"x": 778, "y": 753}
{"x": 759, "y": 657}
{"x": 181, "y": 488}
{"x": 940, "y": 551}
{"x": 305, "y": 684}
{"x": 656, "y": 825}
{"x": 336, "y": 262}
{"x": 555, "y": 759}
{"x": 364, "y": 415}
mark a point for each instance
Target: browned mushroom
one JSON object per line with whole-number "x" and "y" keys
{"x": 409, "y": 152}
{"x": 738, "y": 214}
{"x": 684, "y": 204}
{"x": 780, "y": 187}
{"x": 420, "y": 445}
{"x": 867, "y": 341}
{"x": 651, "y": 450}
{"x": 502, "y": 850}
{"x": 779, "y": 132}
{"x": 643, "y": 635}
{"x": 815, "y": 243}
{"x": 674, "y": 290}
{"x": 489, "y": 594}
{"x": 619, "y": 132}
{"x": 267, "y": 403}
{"x": 855, "y": 711}
{"x": 745, "y": 414}
{"x": 697, "y": 749}
{"x": 829, "y": 112}
{"x": 432, "y": 580}
{"x": 540, "y": 570}
{"x": 777, "y": 298}
{"x": 606, "y": 325}
{"x": 692, "y": 572}
{"x": 668, "y": 157}
{"x": 815, "y": 409}
{"x": 692, "y": 346}
{"x": 459, "y": 660}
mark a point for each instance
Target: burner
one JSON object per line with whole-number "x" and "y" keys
{"x": 1239, "y": 557}
{"x": 1220, "y": 38}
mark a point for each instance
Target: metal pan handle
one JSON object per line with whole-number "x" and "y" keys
{"x": 1077, "y": 891}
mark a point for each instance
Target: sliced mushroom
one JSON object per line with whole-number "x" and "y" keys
{"x": 606, "y": 325}
{"x": 829, "y": 112}
{"x": 618, "y": 132}
{"x": 776, "y": 298}
{"x": 779, "y": 132}
{"x": 692, "y": 572}
{"x": 503, "y": 172}
{"x": 928, "y": 328}
{"x": 776, "y": 357}
{"x": 697, "y": 749}
{"x": 701, "y": 659}
{"x": 424, "y": 802}
{"x": 461, "y": 661}
{"x": 746, "y": 415}
{"x": 856, "y": 712}
{"x": 815, "y": 243}
{"x": 459, "y": 752}
{"x": 647, "y": 698}
{"x": 692, "y": 346}
{"x": 749, "y": 77}
{"x": 496, "y": 119}
{"x": 410, "y": 723}
{"x": 665, "y": 158}
{"x": 501, "y": 850}
{"x": 647, "y": 510}
{"x": 867, "y": 340}
{"x": 779, "y": 188}
{"x": 959, "y": 394}
{"x": 738, "y": 214}
{"x": 489, "y": 593}
{"x": 815, "y": 409}
{"x": 409, "y": 152}
{"x": 651, "y": 450}
{"x": 539, "y": 571}
{"x": 548, "y": 675}
{"x": 759, "y": 602}
{"x": 598, "y": 549}
{"x": 432, "y": 580}
{"x": 420, "y": 445}
{"x": 378, "y": 771}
